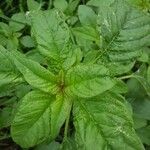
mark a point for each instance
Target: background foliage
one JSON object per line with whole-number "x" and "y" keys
{"x": 113, "y": 36}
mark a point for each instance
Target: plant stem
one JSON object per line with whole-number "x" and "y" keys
{"x": 50, "y": 4}
{"x": 126, "y": 77}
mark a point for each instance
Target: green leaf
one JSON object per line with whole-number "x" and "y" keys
{"x": 61, "y": 4}
{"x": 88, "y": 80}
{"x": 119, "y": 68}
{"x": 27, "y": 41}
{"x": 60, "y": 110}
{"x": 5, "y": 117}
{"x": 139, "y": 122}
{"x": 52, "y": 146}
{"x": 51, "y": 33}
{"x": 105, "y": 123}
{"x": 87, "y": 33}
{"x": 86, "y": 16}
{"x": 125, "y": 31}
{"x": 36, "y": 75}
{"x": 144, "y": 134}
{"x": 141, "y": 108}
{"x": 69, "y": 144}
{"x": 141, "y": 4}
{"x": 9, "y": 76}
{"x": 143, "y": 82}
{"x": 33, "y": 5}
{"x": 119, "y": 87}
{"x": 20, "y": 21}
{"x": 100, "y": 3}
{"x": 72, "y": 5}
{"x": 31, "y": 124}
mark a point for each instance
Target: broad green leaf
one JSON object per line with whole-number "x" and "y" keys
{"x": 88, "y": 80}
{"x": 60, "y": 110}
{"x": 31, "y": 124}
{"x": 36, "y": 75}
{"x": 51, "y": 33}
{"x": 86, "y": 16}
{"x": 87, "y": 33}
{"x": 125, "y": 31}
{"x": 105, "y": 123}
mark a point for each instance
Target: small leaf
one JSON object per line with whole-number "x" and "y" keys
{"x": 31, "y": 124}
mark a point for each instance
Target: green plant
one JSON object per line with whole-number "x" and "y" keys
{"x": 71, "y": 84}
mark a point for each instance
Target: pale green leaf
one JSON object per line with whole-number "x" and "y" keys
{"x": 88, "y": 80}
{"x": 105, "y": 123}
{"x": 31, "y": 124}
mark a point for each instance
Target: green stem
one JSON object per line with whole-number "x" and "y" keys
{"x": 126, "y": 77}
{"x": 50, "y": 4}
